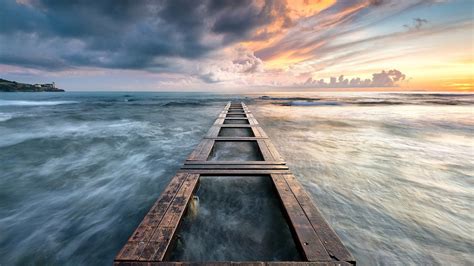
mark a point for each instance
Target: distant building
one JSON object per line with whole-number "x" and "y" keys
{"x": 49, "y": 85}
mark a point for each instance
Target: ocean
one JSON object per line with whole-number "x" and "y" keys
{"x": 391, "y": 172}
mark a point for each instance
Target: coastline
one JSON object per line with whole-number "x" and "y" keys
{"x": 13, "y": 86}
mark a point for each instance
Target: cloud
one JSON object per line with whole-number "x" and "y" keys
{"x": 239, "y": 62}
{"x": 321, "y": 34}
{"x": 390, "y": 78}
{"x": 224, "y": 42}
{"x": 125, "y": 34}
{"x": 417, "y": 23}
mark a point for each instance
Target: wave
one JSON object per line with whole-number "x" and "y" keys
{"x": 5, "y": 117}
{"x": 33, "y": 103}
{"x": 310, "y": 103}
{"x": 366, "y": 101}
{"x": 87, "y": 130}
{"x": 184, "y": 103}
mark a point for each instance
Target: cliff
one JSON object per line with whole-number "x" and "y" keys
{"x": 13, "y": 86}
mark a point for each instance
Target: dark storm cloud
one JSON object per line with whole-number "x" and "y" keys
{"x": 137, "y": 34}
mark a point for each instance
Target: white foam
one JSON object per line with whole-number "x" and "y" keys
{"x": 32, "y": 103}
{"x": 308, "y": 103}
{"x": 5, "y": 117}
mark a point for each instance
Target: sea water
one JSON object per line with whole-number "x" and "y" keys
{"x": 391, "y": 172}
{"x": 237, "y": 218}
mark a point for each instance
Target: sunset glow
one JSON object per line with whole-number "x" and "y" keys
{"x": 263, "y": 45}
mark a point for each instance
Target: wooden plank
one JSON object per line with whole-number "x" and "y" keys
{"x": 253, "y": 121}
{"x": 232, "y": 263}
{"x": 262, "y": 132}
{"x": 244, "y": 116}
{"x": 202, "y": 151}
{"x": 233, "y": 138}
{"x": 136, "y": 243}
{"x": 238, "y": 125}
{"x": 316, "y": 263}
{"x": 257, "y": 133}
{"x": 197, "y": 154}
{"x": 331, "y": 241}
{"x": 236, "y": 166}
{"x": 233, "y": 172}
{"x": 219, "y": 121}
{"x": 237, "y": 111}
{"x": 275, "y": 154}
{"x": 159, "y": 243}
{"x": 213, "y": 132}
{"x": 307, "y": 239}
{"x": 267, "y": 155}
{"x": 236, "y": 162}
{"x": 236, "y": 118}
{"x": 206, "y": 150}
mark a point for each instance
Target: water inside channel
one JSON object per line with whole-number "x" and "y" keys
{"x": 237, "y": 218}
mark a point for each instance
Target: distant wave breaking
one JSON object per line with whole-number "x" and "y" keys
{"x": 311, "y": 103}
{"x": 373, "y": 99}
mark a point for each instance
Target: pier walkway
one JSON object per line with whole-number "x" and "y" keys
{"x": 155, "y": 238}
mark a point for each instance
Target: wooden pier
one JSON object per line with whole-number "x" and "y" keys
{"x": 154, "y": 239}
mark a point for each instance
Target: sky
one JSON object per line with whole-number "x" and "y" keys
{"x": 228, "y": 45}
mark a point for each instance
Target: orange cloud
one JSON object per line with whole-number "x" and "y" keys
{"x": 330, "y": 39}
{"x": 271, "y": 34}
{"x": 305, "y": 8}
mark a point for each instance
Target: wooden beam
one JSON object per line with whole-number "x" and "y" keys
{"x": 308, "y": 241}
{"x": 236, "y": 166}
{"x": 235, "y": 162}
{"x": 233, "y": 171}
{"x": 158, "y": 245}
{"x": 137, "y": 242}
{"x": 331, "y": 241}
{"x": 231, "y": 263}
{"x": 238, "y": 125}
{"x": 234, "y": 138}
{"x": 202, "y": 151}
